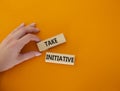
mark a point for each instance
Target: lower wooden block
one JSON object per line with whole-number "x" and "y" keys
{"x": 60, "y": 58}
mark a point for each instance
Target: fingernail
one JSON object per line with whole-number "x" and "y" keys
{"x": 37, "y": 53}
{"x": 33, "y": 24}
{"x": 22, "y": 24}
{"x": 38, "y": 40}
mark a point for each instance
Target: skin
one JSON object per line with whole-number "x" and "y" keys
{"x": 11, "y": 46}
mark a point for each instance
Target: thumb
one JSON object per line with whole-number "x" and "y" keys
{"x": 26, "y": 56}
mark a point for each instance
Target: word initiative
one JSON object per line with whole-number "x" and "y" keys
{"x": 60, "y": 58}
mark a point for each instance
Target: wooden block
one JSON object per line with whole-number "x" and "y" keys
{"x": 51, "y": 42}
{"x": 60, "y": 58}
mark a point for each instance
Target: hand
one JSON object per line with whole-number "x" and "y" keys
{"x": 12, "y": 45}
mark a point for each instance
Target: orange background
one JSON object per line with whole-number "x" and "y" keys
{"x": 92, "y": 29}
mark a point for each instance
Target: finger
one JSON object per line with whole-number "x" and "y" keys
{"x": 11, "y": 34}
{"x": 26, "y": 56}
{"x": 22, "y": 25}
{"x": 26, "y": 39}
{"x": 19, "y": 27}
{"x": 28, "y": 29}
{"x": 33, "y": 24}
